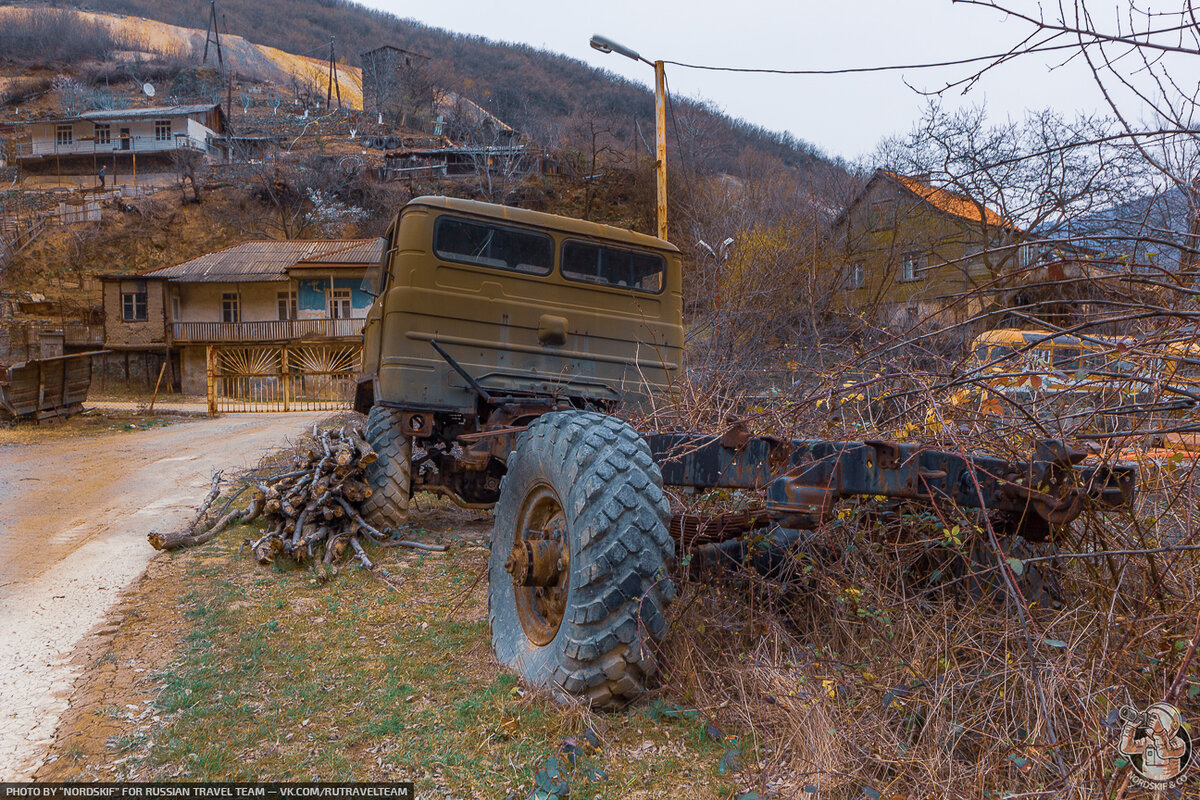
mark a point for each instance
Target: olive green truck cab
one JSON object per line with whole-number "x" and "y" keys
{"x": 501, "y": 346}
{"x": 527, "y": 304}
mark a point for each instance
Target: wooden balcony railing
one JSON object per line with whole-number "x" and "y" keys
{"x": 272, "y": 331}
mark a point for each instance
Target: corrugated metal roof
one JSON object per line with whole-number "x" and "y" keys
{"x": 366, "y": 252}
{"x": 256, "y": 261}
{"x": 130, "y": 113}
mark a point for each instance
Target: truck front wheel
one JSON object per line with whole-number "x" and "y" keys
{"x": 390, "y": 476}
{"x": 580, "y": 549}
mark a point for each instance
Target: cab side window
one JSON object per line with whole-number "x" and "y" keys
{"x": 613, "y": 266}
{"x": 495, "y": 246}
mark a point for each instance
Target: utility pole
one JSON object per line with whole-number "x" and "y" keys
{"x": 660, "y": 126}
{"x": 605, "y": 45}
{"x": 333, "y": 81}
{"x": 213, "y": 35}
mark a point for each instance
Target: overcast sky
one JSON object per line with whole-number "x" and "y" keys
{"x": 843, "y": 115}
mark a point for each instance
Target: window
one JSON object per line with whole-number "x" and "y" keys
{"x": 613, "y": 266}
{"x": 103, "y": 134}
{"x": 64, "y": 134}
{"x": 339, "y": 303}
{"x": 856, "y": 275}
{"x": 230, "y": 308}
{"x": 880, "y": 216}
{"x": 134, "y": 302}
{"x": 910, "y": 267}
{"x": 286, "y": 303}
{"x": 162, "y": 130}
{"x": 176, "y": 316}
{"x": 493, "y": 246}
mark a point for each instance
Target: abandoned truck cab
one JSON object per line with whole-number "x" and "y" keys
{"x": 478, "y": 301}
{"x": 501, "y": 345}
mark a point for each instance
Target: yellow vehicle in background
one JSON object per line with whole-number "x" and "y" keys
{"x": 1091, "y": 383}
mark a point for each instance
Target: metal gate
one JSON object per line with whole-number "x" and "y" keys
{"x": 291, "y": 377}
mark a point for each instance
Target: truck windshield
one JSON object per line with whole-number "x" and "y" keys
{"x": 372, "y": 282}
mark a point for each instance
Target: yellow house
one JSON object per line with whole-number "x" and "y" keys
{"x": 915, "y": 252}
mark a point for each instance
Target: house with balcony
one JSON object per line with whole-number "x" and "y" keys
{"x": 258, "y": 310}
{"x": 117, "y": 138}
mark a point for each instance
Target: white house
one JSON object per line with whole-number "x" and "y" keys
{"x": 124, "y": 132}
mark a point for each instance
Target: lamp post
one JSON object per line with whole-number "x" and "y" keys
{"x": 660, "y": 121}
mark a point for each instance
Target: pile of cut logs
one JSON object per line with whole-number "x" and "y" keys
{"x": 310, "y": 508}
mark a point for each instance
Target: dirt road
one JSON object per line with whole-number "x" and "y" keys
{"x": 74, "y": 515}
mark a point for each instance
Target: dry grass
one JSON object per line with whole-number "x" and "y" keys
{"x": 914, "y": 651}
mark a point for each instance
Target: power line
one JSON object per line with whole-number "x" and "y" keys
{"x": 882, "y": 68}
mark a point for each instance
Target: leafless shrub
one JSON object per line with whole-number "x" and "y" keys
{"x": 44, "y": 37}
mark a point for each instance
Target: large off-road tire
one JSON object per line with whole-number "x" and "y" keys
{"x": 589, "y": 479}
{"x": 389, "y": 476}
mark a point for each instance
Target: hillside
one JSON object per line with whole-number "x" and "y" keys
{"x": 545, "y": 94}
{"x": 151, "y": 38}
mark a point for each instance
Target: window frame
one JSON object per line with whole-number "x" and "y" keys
{"x": 856, "y": 275}
{"x": 290, "y": 297}
{"x": 562, "y": 248}
{"x": 135, "y": 305}
{"x": 103, "y": 133}
{"x": 450, "y": 257}
{"x": 231, "y": 301}
{"x": 159, "y": 124}
{"x": 336, "y": 296}
{"x": 64, "y": 134}
{"x": 915, "y": 259}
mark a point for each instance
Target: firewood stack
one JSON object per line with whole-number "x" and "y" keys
{"x": 312, "y": 508}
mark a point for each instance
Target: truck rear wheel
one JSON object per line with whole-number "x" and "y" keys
{"x": 390, "y": 476}
{"x": 580, "y": 548}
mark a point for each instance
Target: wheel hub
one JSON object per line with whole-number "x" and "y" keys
{"x": 535, "y": 562}
{"x": 540, "y": 566}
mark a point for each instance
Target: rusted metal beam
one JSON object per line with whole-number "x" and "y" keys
{"x": 802, "y": 478}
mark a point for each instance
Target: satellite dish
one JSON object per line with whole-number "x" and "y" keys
{"x": 148, "y": 89}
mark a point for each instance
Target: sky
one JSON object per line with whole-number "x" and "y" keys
{"x": 842, "y": 115}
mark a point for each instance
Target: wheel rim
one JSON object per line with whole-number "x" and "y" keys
{"x": 540, "y": 565}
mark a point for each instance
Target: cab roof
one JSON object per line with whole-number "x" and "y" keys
{"x": 539, "y": 219}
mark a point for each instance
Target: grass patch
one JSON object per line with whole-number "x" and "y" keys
{"x": 391, "y": 677}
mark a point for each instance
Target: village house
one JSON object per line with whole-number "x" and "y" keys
{"x": 114, "y": 139}
{"x": 912, "y": 251}
{"x": 260, "y": 311}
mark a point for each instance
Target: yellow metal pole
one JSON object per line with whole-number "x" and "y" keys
{"x": 660, "y": 125}
{"x": 287, "y": 377}
{"x": 211, "y": 364}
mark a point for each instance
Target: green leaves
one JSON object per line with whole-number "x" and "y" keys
{"x": 731, "y": 761}
{"x": 1015, "y": 564}
{"x": 1055, "y": 642}
{"x": 551, "y": 784}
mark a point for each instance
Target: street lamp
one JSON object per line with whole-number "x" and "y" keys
{"x": 605, "y": 45}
